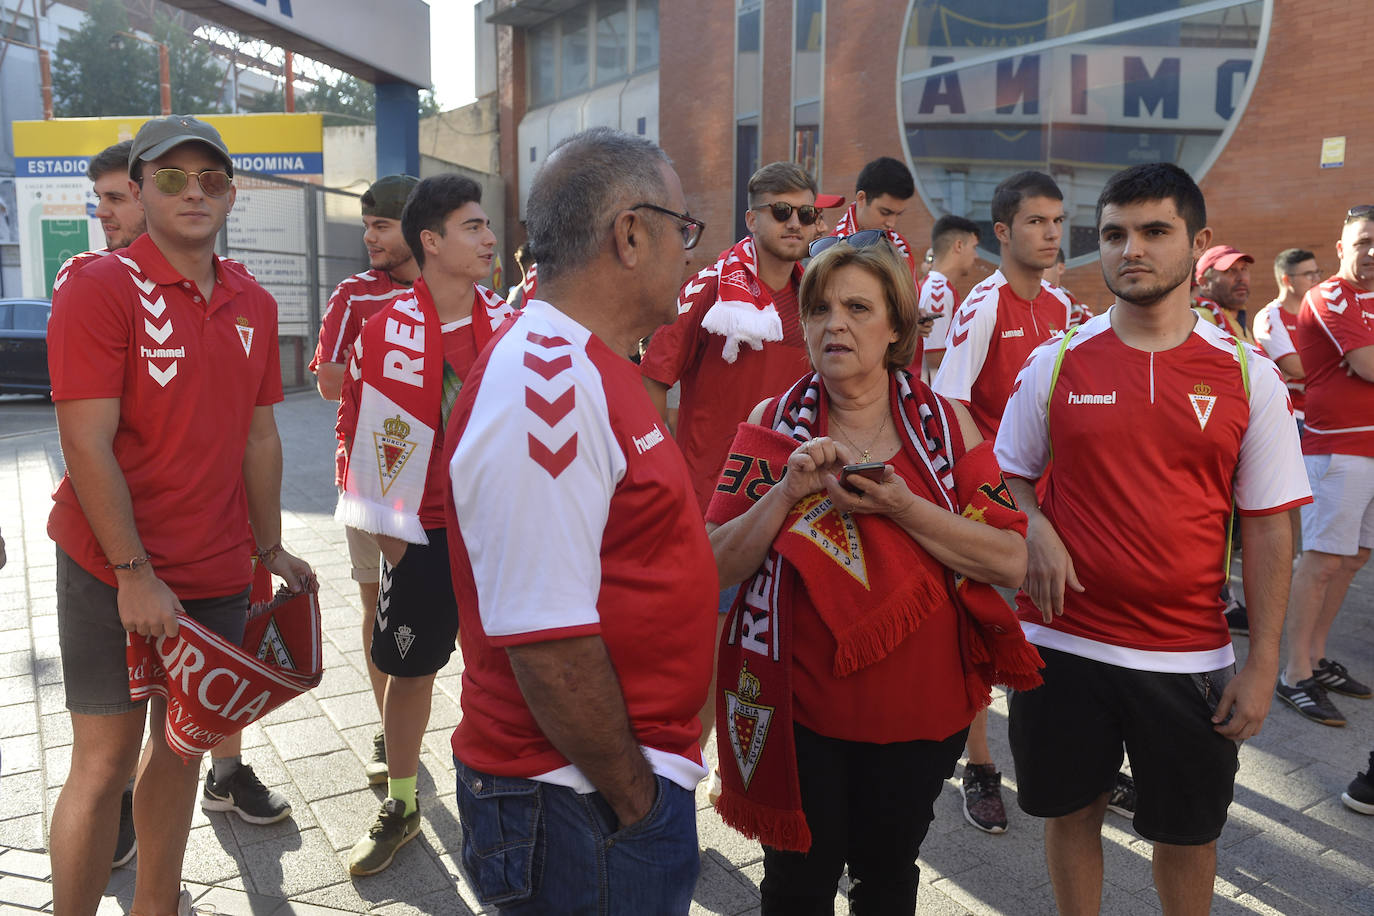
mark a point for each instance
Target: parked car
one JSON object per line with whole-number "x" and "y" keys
{"x": 24, "y": 346}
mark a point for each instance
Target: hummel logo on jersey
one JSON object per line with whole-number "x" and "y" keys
{"x": 1203, "y": 401}
{"x": 1014, "y": 332}
{"x": 648, "y": 440}
{"x": 1076, "y": 398}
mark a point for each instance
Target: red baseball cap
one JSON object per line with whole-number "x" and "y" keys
{"x": 1222, "y": 257}
{"x": 829, "y": 201}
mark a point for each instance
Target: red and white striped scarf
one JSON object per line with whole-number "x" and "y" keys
{"x": 849, "y": 224}
{"x": 743, "y": 311}
{"x": 399, "y": 359}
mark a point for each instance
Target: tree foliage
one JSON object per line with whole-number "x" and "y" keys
{"x": 343, "y": 100}
{"x": 99, "y": 71}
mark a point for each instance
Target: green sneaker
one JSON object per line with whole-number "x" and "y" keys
{"x": 376, "y": 768}
{"x": 388, "y": 833}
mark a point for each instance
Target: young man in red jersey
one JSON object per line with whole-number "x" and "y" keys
{"x": 1001, "y": 321}
{"x": 1142, "y": 430}
{"x": 954, "y": 251}
{"x": 881, "y": 193}
{"x": 1295, "y": 272}
{"x": 1335, "y": 339}
{"x": 165, "y": 369}
{"x": 405, "y": 370}
{"x": 392, "y": 269}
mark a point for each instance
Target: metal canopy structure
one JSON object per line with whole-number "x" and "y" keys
{"x": 526, "y": 13}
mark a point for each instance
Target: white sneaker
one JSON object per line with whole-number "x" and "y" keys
{"x": 184, "y": 907}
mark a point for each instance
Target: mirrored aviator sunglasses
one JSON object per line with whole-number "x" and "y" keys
{"x": 782, "y": 212}
{"x": 213, "y": 182}
{"x": 861, "y": 239}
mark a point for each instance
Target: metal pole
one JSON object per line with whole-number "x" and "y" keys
{"x": 45, "y": 77}
{"x": 289, "y": 89}
{"x": 164, "y": 76}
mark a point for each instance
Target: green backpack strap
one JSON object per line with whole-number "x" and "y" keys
{"x": 1244, "y": 359}
{"x": 1054, "y": 378}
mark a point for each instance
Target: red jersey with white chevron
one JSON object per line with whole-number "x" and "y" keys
{"x": 989, "y": 339}
{"x": 572, "y": 514}
{"x": 716, "y": 395}
{"x": 74, "y": 265}
{"x": 941, "y": 299}
{"x": 353, "y": 301}
{"x": 1148, "y": 451}
{"x": 1335, "y": 318}
{"x": 1274, "y": 332}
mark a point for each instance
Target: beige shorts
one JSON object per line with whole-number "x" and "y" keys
{"x": 365, "y": 554}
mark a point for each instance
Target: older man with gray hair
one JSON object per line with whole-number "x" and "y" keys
{"x": 585, "y": 584}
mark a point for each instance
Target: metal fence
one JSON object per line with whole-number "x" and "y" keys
{"x": 299, "y": 240}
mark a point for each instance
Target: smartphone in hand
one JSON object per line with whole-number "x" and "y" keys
{"x": 873, "y": 470}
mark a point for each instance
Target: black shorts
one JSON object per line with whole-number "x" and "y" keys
{"x": 417, "y": 618}
{"x": 1067, "y": 738}
{"x": 91, "y": 638}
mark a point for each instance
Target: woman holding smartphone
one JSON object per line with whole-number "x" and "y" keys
{"x": 863, "y": 641}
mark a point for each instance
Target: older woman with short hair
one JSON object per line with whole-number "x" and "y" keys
{"x": 863, "y": 641}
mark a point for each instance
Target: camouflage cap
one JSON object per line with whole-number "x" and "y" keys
{"x": 159, "y": 135}
{"x": 387, "y": 196}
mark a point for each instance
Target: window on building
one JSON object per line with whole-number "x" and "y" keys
{"x": 646, "y": 34}
{"x": 574, "y": 51}
{"x": 989, "y": 88}
{"x": 612, "y": 40}
{"x": 748, "y": 101}
{"x": 15, "y": 26}
{"x": 808, "y": 65}
{"x": 591, "y": 45}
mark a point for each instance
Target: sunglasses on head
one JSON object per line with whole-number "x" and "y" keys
{"x": 861, "y": 239}
{"x": 214, "y": 182}
{"x": 782, "y": 212}
{"x": 1363, "y": 211}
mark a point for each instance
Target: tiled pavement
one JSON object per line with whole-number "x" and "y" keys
{"x": 1290, "y": 846}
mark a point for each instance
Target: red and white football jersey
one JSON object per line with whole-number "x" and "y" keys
{"x": 941, "y": 299}
{"x": 1274, "y": 328}
{"x": 989, "y": 339}
{"x": 353, "y": 301}
{"x": 572, "y": 514}
{"x": 1149, "y": 451}
{"x": 1335, "y": 318}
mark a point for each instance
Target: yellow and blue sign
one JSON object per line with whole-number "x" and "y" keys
{"x": 57, "y": 210}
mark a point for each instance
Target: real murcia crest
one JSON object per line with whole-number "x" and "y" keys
{"x": 835, "y": 533}
{"x": 272, "y": 649}
{"x": 748, "y": 723}
{"x": 393, "y": 450}
{"x": 245, "y": 334}
{"x": 404, "y": 639}
{"x": 1203, "y": 401}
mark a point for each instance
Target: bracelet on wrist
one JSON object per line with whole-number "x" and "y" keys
{"x": 268, "y": 554}
{"x": 132, "y": 565}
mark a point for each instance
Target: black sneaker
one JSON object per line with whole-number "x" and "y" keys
{"x": 983, "y": 806}
{"x": 1122, "y": 799}
{"x": 127, "y": 844}
{"x": 245, "y": 795}
{"x": 1237, "y": 621}
{"x": 1309, "y": 698}
{"x": 1360, "y": 795}
{"x": 376, "y": 768}
{"x": 1333, "y": 676}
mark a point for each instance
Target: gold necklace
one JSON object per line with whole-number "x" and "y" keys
{"x": 866, "y": 452}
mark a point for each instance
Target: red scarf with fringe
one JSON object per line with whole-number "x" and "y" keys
{"x": 743, "y": 312}
{"x": 844, "y": 563}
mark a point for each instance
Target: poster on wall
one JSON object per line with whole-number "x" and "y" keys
{"x": 55, "y": 208}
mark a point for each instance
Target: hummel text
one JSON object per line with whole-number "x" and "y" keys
{"x": 1075, "y": 398}
{"x": 648, "y": 440}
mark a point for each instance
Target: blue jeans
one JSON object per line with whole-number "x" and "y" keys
{"x": 532, "y": 847}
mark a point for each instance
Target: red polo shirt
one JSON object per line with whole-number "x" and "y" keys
{"x": 188, "y": 375}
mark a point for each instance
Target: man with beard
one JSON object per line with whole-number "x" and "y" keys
{"x": 1335, "y": 338}
{"x": 1223, "y": 277}
{"x": 392, "y": 269}
{"x": 737, "y": 338}
{"x": 1143, "y": 427}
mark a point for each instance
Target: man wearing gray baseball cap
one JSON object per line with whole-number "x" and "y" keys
{"x": 165, "y": 367}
